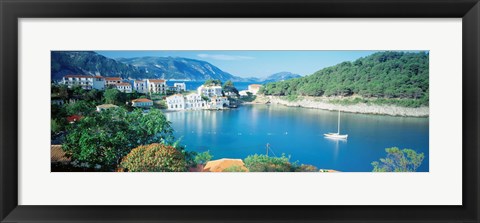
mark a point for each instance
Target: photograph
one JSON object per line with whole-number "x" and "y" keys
{"x": 322, "y": 111}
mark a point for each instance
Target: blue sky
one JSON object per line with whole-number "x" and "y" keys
{"x": 251, "y": 63}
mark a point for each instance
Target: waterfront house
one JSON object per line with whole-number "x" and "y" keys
{"x": 124, "y": 87}
{"x": 194, "y": 101}
{"x": 176, "y": 102}
{"x": 87, "y": 82}
{"x": 112, "y": 81}
{"x": 156, "y": 86}
{"x": 209, "y": 91}
{"x": 105, "y": 107}
{"x": 142, "y": 103}
{"x": 253, "y": 88}
{"x": 218, "y": 102}
{"x": 179, "y": 87}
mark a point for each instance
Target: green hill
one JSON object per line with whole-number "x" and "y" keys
{"x": 391, "y": 77}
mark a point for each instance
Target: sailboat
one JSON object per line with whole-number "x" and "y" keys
{"x": 336, "y": 135}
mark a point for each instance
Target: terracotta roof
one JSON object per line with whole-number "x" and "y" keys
{"x": 255, "y": 85}
{"x": 57, "y": 154}
{"x": 156, "y": 80}
{"x": 123, "y": 84}
{"x": 113, "y": 78}
{"x": 222, "y": 165}
{"x": 137, "y": 81}
{"x": 142, "y": 100}
{"x": 74, "y": 118}
{"x": 78, "y": 76}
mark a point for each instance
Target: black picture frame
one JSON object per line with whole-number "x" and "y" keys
{"x": 12, "y": 10}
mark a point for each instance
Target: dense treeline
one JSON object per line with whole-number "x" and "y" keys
{"x": 388, "y": 75}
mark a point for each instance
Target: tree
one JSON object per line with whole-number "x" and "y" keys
{"x": 112, "y": 96}
{"x": 105, "y": 137}
{"x": 154, "y": 158}
{"x": 79, "y": 108}
{"x": 212, "y": 82}
{"x": 229, "y": 87}
{"x": 405, "y": 160}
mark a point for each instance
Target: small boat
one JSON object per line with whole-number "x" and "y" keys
{"x": 336, "y": 135}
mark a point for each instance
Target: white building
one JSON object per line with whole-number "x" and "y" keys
{"x": 156, "y": 86}
{"x": 142, "y": 103}
{"x": 105, "y": 107}
{"x": 180, "y": 87}
{"x": 218, "y": 102}
{"x": 112, "y": 81}
{"x": 140, "y": 86}
{"x": 209, "y": 91}
{"x": 176, "y": 102}
{"x": 253, "y": 88}
{"x": 124, "y": 87}
{"x": 85, "y": 81}
{"x": 194, "y": 101}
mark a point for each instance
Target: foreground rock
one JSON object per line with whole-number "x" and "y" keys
{"x": 225, "y": 165}
{"x": 321, "y": 103}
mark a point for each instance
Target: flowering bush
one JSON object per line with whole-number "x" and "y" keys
{"x": 154, "y": 158}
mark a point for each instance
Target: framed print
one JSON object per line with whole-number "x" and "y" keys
{"x": 204, "y": 111}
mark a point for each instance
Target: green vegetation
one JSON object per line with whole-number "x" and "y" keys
{"x": 234, "y": 169}
{"x": 384, "y": 76}
{"x": 229, "y": 87}
{"x": 203, "y": 158}
{"x": 249, "y": 98}
{"x": 211, "y": 82}
{"x": 154, "y": 158}
{"x": 405, "y": 160}
{"x": 105, "y": 137}
{"x": 264, "y": 163}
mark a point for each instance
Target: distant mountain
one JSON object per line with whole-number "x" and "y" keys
{"x": 90, "y": 63}
{"x": 179, "y": 68}
{"x": 281, "y": 76}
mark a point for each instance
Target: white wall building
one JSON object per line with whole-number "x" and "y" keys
{"x": 218, "y": 102}
{"x": 156, "y": 86}
{"x": 176, "y": 102}
{"x": 180, "y": 87}
{"x": 140, "y": 86}
{"x": 194, "y": 101}
{"x": 105, "y": 107}
{"x": 254, "y": 88}
{"x": 124, "y": 87}
{"x": 209, "y": 91}
{"x": 112, "y": 81}
{"x": 85, "y": 81}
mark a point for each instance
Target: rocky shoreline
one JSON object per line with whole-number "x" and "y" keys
{"x": 363, "y": 108}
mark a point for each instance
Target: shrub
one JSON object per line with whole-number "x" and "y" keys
{"x": 263, "y": 163}
{"x": 306, "y": 168}
{"x": 405, "y": 160}
{"x": 203, "y": 158}
{"x": 154, "y": 158}
{"x": 234, "y": 169}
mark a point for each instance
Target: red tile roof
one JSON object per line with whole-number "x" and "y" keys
{"x": 74, "y": 118}
{"x": 113, "y": 78}
{"x": 156, "y": 80}
{"x": 142, "y": 100}
{"x": 123, "y": 84}
{"x": 78, "y": 76}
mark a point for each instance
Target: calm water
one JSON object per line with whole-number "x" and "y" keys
{"x": 193, "y": 85}
{"x": 298, "y": 132}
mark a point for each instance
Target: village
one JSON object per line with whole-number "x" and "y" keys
{"x": 176, "y": 97}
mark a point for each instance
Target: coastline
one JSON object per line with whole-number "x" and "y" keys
{"x": 363, "y": 108}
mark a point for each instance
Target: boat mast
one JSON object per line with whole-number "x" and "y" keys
{"x": 338, "y": 122}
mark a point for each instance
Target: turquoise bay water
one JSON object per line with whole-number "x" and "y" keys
{"x": 298, "y": 132}
{"x": 193, "y": 85}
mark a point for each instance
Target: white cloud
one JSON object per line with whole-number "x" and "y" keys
{"x": 224, "y": 57}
